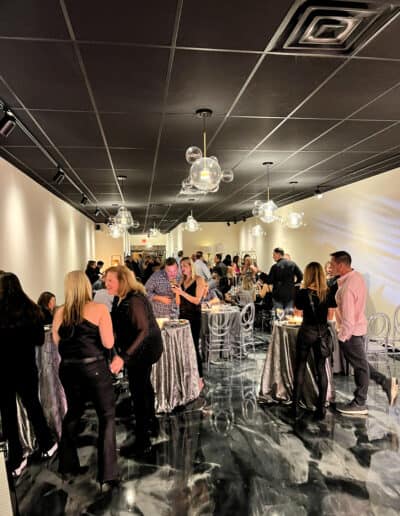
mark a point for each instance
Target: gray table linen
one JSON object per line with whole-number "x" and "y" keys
{"x": 175, "y": 376}
{"x": 278, "y": 374}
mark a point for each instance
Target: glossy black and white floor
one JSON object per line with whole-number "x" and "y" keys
{"x": 226, "y": 455}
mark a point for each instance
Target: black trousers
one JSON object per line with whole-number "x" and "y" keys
{"x": 139, "y": 372}
{"x": 91, "y": 382}
{"x": 23, "y": 382}
{"x": 195, "y": 326}
{"x": 307, "y": 340}
{"x": 354, "y": 352}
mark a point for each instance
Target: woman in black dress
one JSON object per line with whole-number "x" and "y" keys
{"x": 139, "y": 343}
{"x": 314, "y": 300}
{"x": 21, "y": 329}
{"x": 83, "y": 331}
{"x": 191, "y": 292}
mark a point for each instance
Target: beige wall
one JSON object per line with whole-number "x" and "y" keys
{"x": 106, "y": 246}
{"x": 362, "y": 218}
{"x": 42, "y": 237}
{"x": 214, "y": 237}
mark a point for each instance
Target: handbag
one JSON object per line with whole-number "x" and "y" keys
{"x": 325, "y": 341}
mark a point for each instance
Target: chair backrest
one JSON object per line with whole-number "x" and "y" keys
{"x": 219, "y": 325}
{"x": 396, "y": 323}
{"x": 378, "y": 327}
{"x": 247, "y": 315}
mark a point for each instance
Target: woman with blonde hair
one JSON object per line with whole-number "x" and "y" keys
{"x": 139, "y": 343}
{"x": 314, "y": 300}
{"x": 191, "y": 292}
{"x": 83, "y": 331}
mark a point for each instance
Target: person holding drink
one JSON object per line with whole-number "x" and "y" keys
{"x": 159, "y": 288}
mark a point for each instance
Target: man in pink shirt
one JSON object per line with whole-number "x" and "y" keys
{"x": 352, "y": 328}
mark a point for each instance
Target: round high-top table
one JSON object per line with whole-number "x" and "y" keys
{"x": 175, "y": 376}
{"x": 278, "y": 375}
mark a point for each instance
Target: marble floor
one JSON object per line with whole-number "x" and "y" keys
{"x": 225, "y": 454}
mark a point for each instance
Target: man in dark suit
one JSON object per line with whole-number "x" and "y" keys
{"x": 283, "y": 277}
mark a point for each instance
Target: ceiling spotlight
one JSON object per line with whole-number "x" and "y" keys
{"x": 234, "y": 221}
{"x": 7, "y": 124}
{"x": 318, "y": 193}
{"x": 84, "y": 200}
{"x": 59, "y": 176}
{"x": 228, "y": 223}
{"x": 244, "y": 219}
{"x": 97, "y": 212}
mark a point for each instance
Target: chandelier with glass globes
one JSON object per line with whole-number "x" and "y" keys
{"x": 123, "y": 220}
{"x": 191, "y": 224}
{"x": 205, "y": 171}
{"x": 266, "y": 211}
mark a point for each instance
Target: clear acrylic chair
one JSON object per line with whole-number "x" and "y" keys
{"x": 377, "y": 339}
{"x": 394, "y": 340}
{"x": 246, "y": 337}
{"x": 219, "y": 342}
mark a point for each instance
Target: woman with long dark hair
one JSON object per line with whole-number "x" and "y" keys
{"x": 83, "y": 331}
{"x": 139, "y": 342}
{"x": 314, "y": 300}
{"x": 191, "y": 292}
{"x": 47, "y": 305}
{"x": 21, "y": 329}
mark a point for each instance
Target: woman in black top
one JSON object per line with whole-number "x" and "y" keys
{"x": 91, "y": 271}
{"x": 191, "y": 292}
{"x": 21, "y": 329}
{"x": 83, "y": 331}
{"x": 47, "y": 304}
{"x": 139, "y": 343}
{"x": 314, "y": 300}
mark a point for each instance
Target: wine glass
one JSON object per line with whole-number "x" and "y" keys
{"x": 280, "y": 313}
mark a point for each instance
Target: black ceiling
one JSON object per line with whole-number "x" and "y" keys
{"x": 110, "y": 88}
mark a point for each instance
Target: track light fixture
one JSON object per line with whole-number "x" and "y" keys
{"x": 97, "y": 212}
{"x": 59, "y": 176}
{"x": 228, "y": 223}
{"x": 7, "y": 124}
{"x": 84, "y": 200}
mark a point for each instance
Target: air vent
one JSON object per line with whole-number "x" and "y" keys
{"x": 335, "y": 27}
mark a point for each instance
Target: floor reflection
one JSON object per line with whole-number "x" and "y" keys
{"x": 226, "y": 454}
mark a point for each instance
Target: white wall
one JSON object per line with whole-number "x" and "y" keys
{"x": 42, "y": 237}
{"x": 362, "y": 218}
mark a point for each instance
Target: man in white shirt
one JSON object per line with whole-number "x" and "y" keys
{"x": 352, "y": 328}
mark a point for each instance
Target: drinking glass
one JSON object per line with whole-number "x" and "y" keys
{"x": 280, "y": 313}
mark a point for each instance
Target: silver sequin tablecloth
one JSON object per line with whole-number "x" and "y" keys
{"x": 175, "y": 376}
{"x": 278, "y": 374}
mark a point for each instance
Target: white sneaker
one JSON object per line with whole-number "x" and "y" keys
{"x": 17, "y": 471}
{"x": 49, "y": 453}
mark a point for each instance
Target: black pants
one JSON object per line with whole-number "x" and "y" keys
{"x": 92, "y": 382}
{"x": 195, "y": 326}
{"x": 354, "y": 352}
{"x": 307, "y": 340}
{"x": 139, "y": 371}
{"x": 23, "y": 382}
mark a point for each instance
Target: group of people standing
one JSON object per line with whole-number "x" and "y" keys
{"x": 345, "y": 294}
